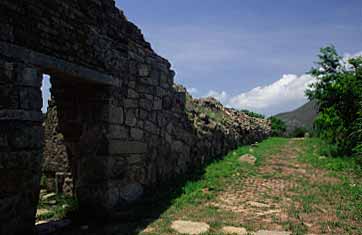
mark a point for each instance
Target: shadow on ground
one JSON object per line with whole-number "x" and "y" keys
{"x": 131, "y": 221}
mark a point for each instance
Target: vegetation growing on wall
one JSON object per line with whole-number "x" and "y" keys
{"x": 253, "y": 114}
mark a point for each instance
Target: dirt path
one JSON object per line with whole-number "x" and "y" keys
{"x": 277, "y": 197}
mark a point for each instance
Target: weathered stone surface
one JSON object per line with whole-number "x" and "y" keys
{"x": 42, "y": 212}
{"x": 20, "y": 115}
{"x": 122, "y": 147}
{"x": 131, "y": 118}
{"x": 189, "y": 227}
{"x": 234, "y": 230}
{"x": 248, "y": 158}
{"x": 48, "y": 196}
{"x": 271, "y": 232}
{"x": 131, "y": 192}
{"x": 258, "y": 205}
{"x": 136, "y": 133}
{"x": 116, "y": 115}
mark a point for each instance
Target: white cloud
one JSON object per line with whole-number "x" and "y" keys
{"x": 193, "y": 90}
{"x": 283, "y": 95}
{"x": 289, "y": 91}
{"x": 221, "y": 96}
{"x": 347, "y": 57}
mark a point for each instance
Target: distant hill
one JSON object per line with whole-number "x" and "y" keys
{"x": 302, "y": 117}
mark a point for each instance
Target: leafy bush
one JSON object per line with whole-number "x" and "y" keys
{"x": 358, "y": 133}
{"x": 278, "y": 126}
{"x": 338, "y": 92}
{"x": 299, "y": 132}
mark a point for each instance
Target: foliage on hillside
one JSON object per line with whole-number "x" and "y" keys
{"x": 301, "y": 118}
{"x": 338, "y": 92}
{"x": 278, "y": 126}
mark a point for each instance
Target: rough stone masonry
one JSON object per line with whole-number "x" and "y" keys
{"x": 124, "y": 123}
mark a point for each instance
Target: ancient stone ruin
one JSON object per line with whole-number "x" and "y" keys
{"x": 124, "y": 124}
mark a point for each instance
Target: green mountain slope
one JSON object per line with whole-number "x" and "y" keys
{"x": 302, "y": 117}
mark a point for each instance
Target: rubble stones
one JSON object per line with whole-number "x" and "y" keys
{"x": 248, "y": 158}
{"x": 272, "y": 232}
{"x": 234, "y": 230}
{"x": 189, "y": 227}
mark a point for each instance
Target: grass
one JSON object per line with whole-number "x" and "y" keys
{"x": 329, "y": 194}
{"x": 63, "y": 207}
{"x": 224, "y": 172}
{"x": 192, "y": 203}
{"x": 344, "y": 196}
{"x": 319, "y": 154}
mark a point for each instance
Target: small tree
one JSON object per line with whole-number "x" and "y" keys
{"x": 338, "y": 93}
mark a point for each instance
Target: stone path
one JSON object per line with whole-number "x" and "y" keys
{"x": 195, "y": 228}
{"x": 264, "y": 200}
{"x": 188, "y": 227}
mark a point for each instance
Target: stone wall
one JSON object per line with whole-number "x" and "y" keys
{"x": 57, "y": 165}
{"x": 125, "y": 125}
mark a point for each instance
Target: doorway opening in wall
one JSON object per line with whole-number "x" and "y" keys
{"x": 56, "y": 195}
{"x": 45, "y": 90}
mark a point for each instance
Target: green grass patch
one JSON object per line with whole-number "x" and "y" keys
{"x": 63, "y": 207}
{"x": 346, "y": 195}
{"x": 224, "y": 172}
{"x": 319, "y": 154}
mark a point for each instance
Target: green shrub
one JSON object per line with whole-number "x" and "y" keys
{"x": 279, "y": 127}
{"x": 299, "y": 132}
{"x": 338, "y": 92}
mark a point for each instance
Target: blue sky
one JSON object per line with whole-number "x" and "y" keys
{"x": 248, "y": 53}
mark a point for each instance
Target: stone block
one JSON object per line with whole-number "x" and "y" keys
{"x": 29, "y": 77}
{"x": 157, "y": 104}
{"x": 26, "y": 137}
{"x": 146, "y": 104}
{"x": 131, "y": 117}
{"x": 160, "y": 92}
{"x": 131, "y": 192}
{"x": 132, "y": 94}
{"x": 7, "y": 73}
{"x": 26, "y": 160}
{"x": 145, "y": 89}
{"x": 164, "y": 79}
{"x": 30, "y": 98}
{"x": 152, "y": 128}
{"x": 118, "y": 132}
{"x": 9, "y": 97}
{"x": 167, "y": 102}
{"x": 135, "y": 158}
{"x": 130, "y": 103}
{"x": 116, "y": 114}
{"x": 20, "y": 115}
{"x": 3, "y": 140}
{"x": 136, "y": 134}
{"x": 127, "y": 147}
{"x": 117, "y": 167}
{"x": 143, "y": 70}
